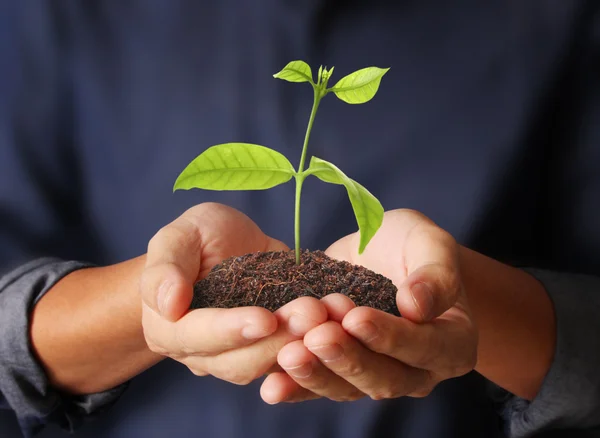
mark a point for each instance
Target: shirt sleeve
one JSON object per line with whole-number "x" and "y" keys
{"x": 24, "y": 386}
{"x": 570, "y": 394}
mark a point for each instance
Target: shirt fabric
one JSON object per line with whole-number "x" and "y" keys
{"x": 487, "y": 123}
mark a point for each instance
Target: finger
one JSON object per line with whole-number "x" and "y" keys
{"x": 243, "y": 365}
{"x": 337, "y": 306}
{"x": 166, "y": 291}
{"x": 433, "y": 284}
{"x": 374, "y": 374}
{"x": 172, "y": 266}
{"x": 445, "y": 347}
{"x": 178, "y": 243}
{"x": 205, "y": 332}
{"x": 279, "y": 387}
{"x": 309, "y": 373}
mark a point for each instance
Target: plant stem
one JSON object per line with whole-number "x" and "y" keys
{"x": 300, "y": 175}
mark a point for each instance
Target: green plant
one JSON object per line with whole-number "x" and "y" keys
{"x": 244, "y": 166}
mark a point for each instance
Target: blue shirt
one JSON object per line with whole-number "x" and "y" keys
{"x": 486, "y": 123}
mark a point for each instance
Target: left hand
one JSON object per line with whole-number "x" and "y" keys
{"x": 361, "y": 351}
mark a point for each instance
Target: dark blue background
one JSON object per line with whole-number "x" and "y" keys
{"x": 487, "y": 122}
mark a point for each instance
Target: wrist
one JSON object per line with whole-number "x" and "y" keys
{"x": 516, "y": 323}
{"x": 86, "y": 330}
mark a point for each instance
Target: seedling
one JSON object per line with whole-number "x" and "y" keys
{"x": 244, "y": 166}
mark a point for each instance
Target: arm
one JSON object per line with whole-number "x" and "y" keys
{"x": 461, "y": 310}
{"x": 99, "y": 314}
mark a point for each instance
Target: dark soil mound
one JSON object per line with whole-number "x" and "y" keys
{"x": 272, "y": 279}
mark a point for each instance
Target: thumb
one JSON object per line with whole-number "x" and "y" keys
{"x": 428, "y": 292}
{"x": 172, "y": 265}
{"x": 166, "y": 291}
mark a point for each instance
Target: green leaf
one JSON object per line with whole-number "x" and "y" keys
{"x": 236, "y": 166}
{"x": 295, "y": 71}
{"x": 360, "y": 86}
{"x": 367, "y": 209}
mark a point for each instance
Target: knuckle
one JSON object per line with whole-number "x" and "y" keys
{"x": 391, "y": 389}
{"x": 352, "y": 369}
{"x": 386, "y": 394}
{"x": 236, "y": 376}
{"x": 351, "y": 396}
{"x": 198, "y": 372}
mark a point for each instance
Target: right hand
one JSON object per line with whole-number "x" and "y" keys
{"x": 237, "y": 345}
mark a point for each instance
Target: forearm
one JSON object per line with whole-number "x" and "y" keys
{"x": 516, "y": 324}
{"x": 87, "y": 329}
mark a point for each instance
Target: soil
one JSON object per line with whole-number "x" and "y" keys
{"x": 272, "y": 279}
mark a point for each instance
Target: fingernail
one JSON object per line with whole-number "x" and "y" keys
{"x": 164, "y": 292}
{"x": 301, "y": 371}
{"x": 252, "y": 331}
{"x": 423, "y": 298}
{"x": 365, "y": 331}
{"x": 328, "y": 352}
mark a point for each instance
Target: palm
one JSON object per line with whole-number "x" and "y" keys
{"x": 406, "y": 244}
{"x": 226, "y": 232}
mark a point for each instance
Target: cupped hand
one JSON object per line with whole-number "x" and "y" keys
{"x": 361, "y": 351}
{"x": 237, "y": 345}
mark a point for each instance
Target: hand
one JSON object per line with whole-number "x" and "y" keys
{"x": 237, "y": 345}
{"x": 362, "y": 351}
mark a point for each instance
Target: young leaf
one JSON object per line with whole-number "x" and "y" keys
{"x": 360, "y": 86}
{"x": 367, "y": 209}
{"x": 295, "y": 71}
{"x": 236, "y": 166}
